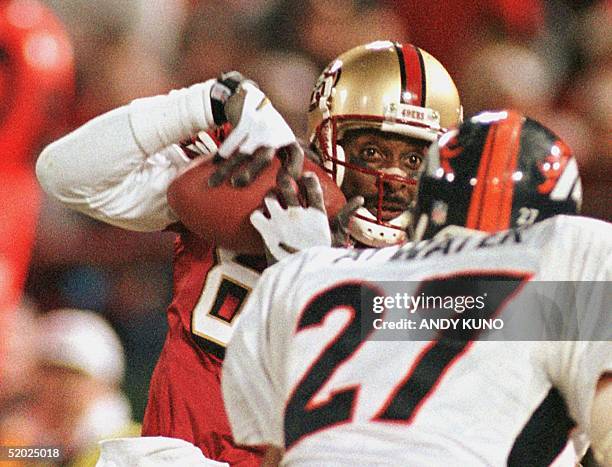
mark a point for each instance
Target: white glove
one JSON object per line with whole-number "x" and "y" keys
{"x": 292, "y": 229}
{"x": 256, "y": 123}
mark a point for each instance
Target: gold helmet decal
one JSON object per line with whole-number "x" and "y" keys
{"x": 321, "y": 93}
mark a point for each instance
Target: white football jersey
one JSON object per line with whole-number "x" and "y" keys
{"x": 302, "y": 374}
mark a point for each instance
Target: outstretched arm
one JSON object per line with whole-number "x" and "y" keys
{"x": 117, "y": 167}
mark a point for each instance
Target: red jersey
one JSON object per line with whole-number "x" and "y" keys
{"x": 117, "y": 169}
{"x": 211, "y": 285}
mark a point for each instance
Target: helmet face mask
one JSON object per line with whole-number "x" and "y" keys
{"x": 496, "y": 171}
{"x": 389, "y": 87}
{"x": 383, "y": 168}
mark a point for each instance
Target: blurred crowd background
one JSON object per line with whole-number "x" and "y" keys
{"x": 549, "y": 59}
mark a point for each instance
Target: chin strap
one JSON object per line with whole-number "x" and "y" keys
{"x": 378, "y": 236}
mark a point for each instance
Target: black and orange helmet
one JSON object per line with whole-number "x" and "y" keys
{"x": 496, "y": 171}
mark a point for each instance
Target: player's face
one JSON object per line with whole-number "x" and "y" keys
{"x": 387, "y": 152}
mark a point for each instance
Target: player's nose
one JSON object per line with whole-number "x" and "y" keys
{"x": 396, "y": 186}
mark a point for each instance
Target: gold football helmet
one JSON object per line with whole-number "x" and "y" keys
{"x": 390, "y": 87}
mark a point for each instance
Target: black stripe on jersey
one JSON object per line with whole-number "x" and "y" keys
{"x": 255, "y": 262}
{"x": 544, "y": 435}
{"x": 402, "y": 67}
{"x": 209, "y": 346}
{"x": 423, "y": 80}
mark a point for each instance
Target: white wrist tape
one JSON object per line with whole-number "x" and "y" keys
{"x": 159, "y": 121}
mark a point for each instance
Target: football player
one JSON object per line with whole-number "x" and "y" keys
{"x": 309, "y": 373}
{"x": 117, "y": 168}
{"x": 373, "y": 113}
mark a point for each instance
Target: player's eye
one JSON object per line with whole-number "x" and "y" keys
{"x": 371, "y": 154}
{"x": 412, "y": 160}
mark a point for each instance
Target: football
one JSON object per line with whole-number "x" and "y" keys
{"x": 220, "y": 215}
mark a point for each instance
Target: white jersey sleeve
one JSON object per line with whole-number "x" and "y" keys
{"x": 576, "y": 365}
{"x": 117, "y": 167}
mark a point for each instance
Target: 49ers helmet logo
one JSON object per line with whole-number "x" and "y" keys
{"x": 322, "y": 91}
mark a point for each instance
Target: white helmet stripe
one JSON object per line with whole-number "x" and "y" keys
{"x": 566, "y": 182}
